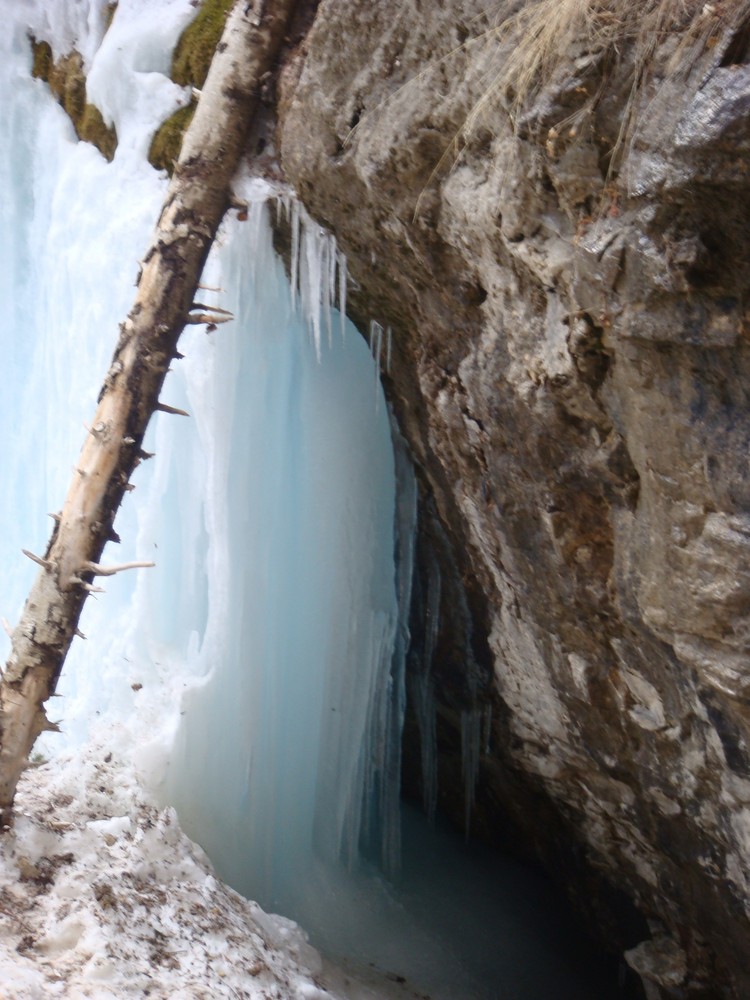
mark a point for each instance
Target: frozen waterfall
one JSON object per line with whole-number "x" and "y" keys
{"x": 271, "y": 616}
{"x": 255, "y": 676}
{"x": 290, "y": 715}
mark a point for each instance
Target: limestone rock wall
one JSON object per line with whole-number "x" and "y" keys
{"x": 571, "y": 368}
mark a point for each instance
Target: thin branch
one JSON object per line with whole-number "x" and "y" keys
{"x": 98, "y": 570}
{"x": 201, "y": 305}
{"x": 171, "y": 409}
{"x": 44, "y": 563}
{"x": 208, "y": 318}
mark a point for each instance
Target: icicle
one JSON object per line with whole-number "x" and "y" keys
{"x": 318, "y": 276}
{"x": 432, "y": 614}
{"x": 471, "y": 744}
{"x": 424, "y": 707}
{"x": 312, "y": 286}
{"x": 423, "y": 692}
{"x": 255, "y": 222}
{"x": 406, "y": 526}
{"x": 381, "y": 821}
{"x": 342, "y": 293}
{"x": 362, "y": 778}
{"x": 487, "y": 730}
{"x": 295, "y": 254}
{"x": 369, "y": 780}
{"x": 324, "y": 288}
{"x": 389, "y": 345}
{"x": 376, "y": 350}
{"x": 283, "y": 203}
{"x": 429, "y": 742}
{"x": 331, "y": 286}
{"x": 405, "y": 530}
{"x": 331, "y": 268}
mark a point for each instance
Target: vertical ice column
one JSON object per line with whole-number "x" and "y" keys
{"x": 423, "y": 691}
{"x": 284, "y": 738}
{"x": 389, "y": 831}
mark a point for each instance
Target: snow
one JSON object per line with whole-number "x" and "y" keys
{"x": 103, "y": 896}
{"x": 63, "y": 25}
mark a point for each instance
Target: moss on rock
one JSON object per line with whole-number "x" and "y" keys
{"x": 109, "y": 13}
{"x": 190, "y": 62}
{"x": 67, "y": 82}
{"x": 42, "y": 60}
{"x": 94, "y": 129}
{"x": 195, "y": 48}
{"x": 165, "y": 146}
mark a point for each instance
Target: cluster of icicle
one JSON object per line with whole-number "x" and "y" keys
{"x": 318, "y": 272}
{"x": 318, "y": 279}
{"x": 318, "y": 286}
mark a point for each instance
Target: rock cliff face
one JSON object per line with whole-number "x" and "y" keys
{"x": 570, "y": 365}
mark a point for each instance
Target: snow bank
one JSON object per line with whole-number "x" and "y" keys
{"x": 103, "y": 896}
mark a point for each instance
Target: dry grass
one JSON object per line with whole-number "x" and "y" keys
{"x": 536, "y": 37}
{"x": 529, "y": 41}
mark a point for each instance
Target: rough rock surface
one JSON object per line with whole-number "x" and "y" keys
{"x": 570, "y": 365}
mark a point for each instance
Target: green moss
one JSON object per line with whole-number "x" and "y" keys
{"x": 67, "y": 82}
{"x": 93, "y": 129}
{"x": 166, "y": 144}
{"x": 41, "y": 59}
{"x": 195, "y": 48}
{"x": 109, "y": 13}
{"x": 190, "y": 62}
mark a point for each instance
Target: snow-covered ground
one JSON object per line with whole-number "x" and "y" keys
{"x": 103, "y": 896}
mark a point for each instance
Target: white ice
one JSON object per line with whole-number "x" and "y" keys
{"x": 246, "y": 662}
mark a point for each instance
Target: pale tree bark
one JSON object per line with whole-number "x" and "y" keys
{"x": 196, "y": 200}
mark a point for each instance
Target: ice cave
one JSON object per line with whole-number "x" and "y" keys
{"x": 255, "y": 676}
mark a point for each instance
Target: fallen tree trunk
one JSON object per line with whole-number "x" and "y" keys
{"x": 195, "y": 203}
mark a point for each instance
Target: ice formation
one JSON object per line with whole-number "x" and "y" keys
{"x": 253, "y": 665}
{"x": 295, "y": 659}
{"x": 255, "y": 678}
{"x": 273, "y": 605}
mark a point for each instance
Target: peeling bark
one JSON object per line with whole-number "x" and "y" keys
{"x": 196, "y": 200}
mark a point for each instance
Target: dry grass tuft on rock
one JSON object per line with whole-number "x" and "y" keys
{"x": 539, "y": 36}
{"x": 530, "y": 44}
